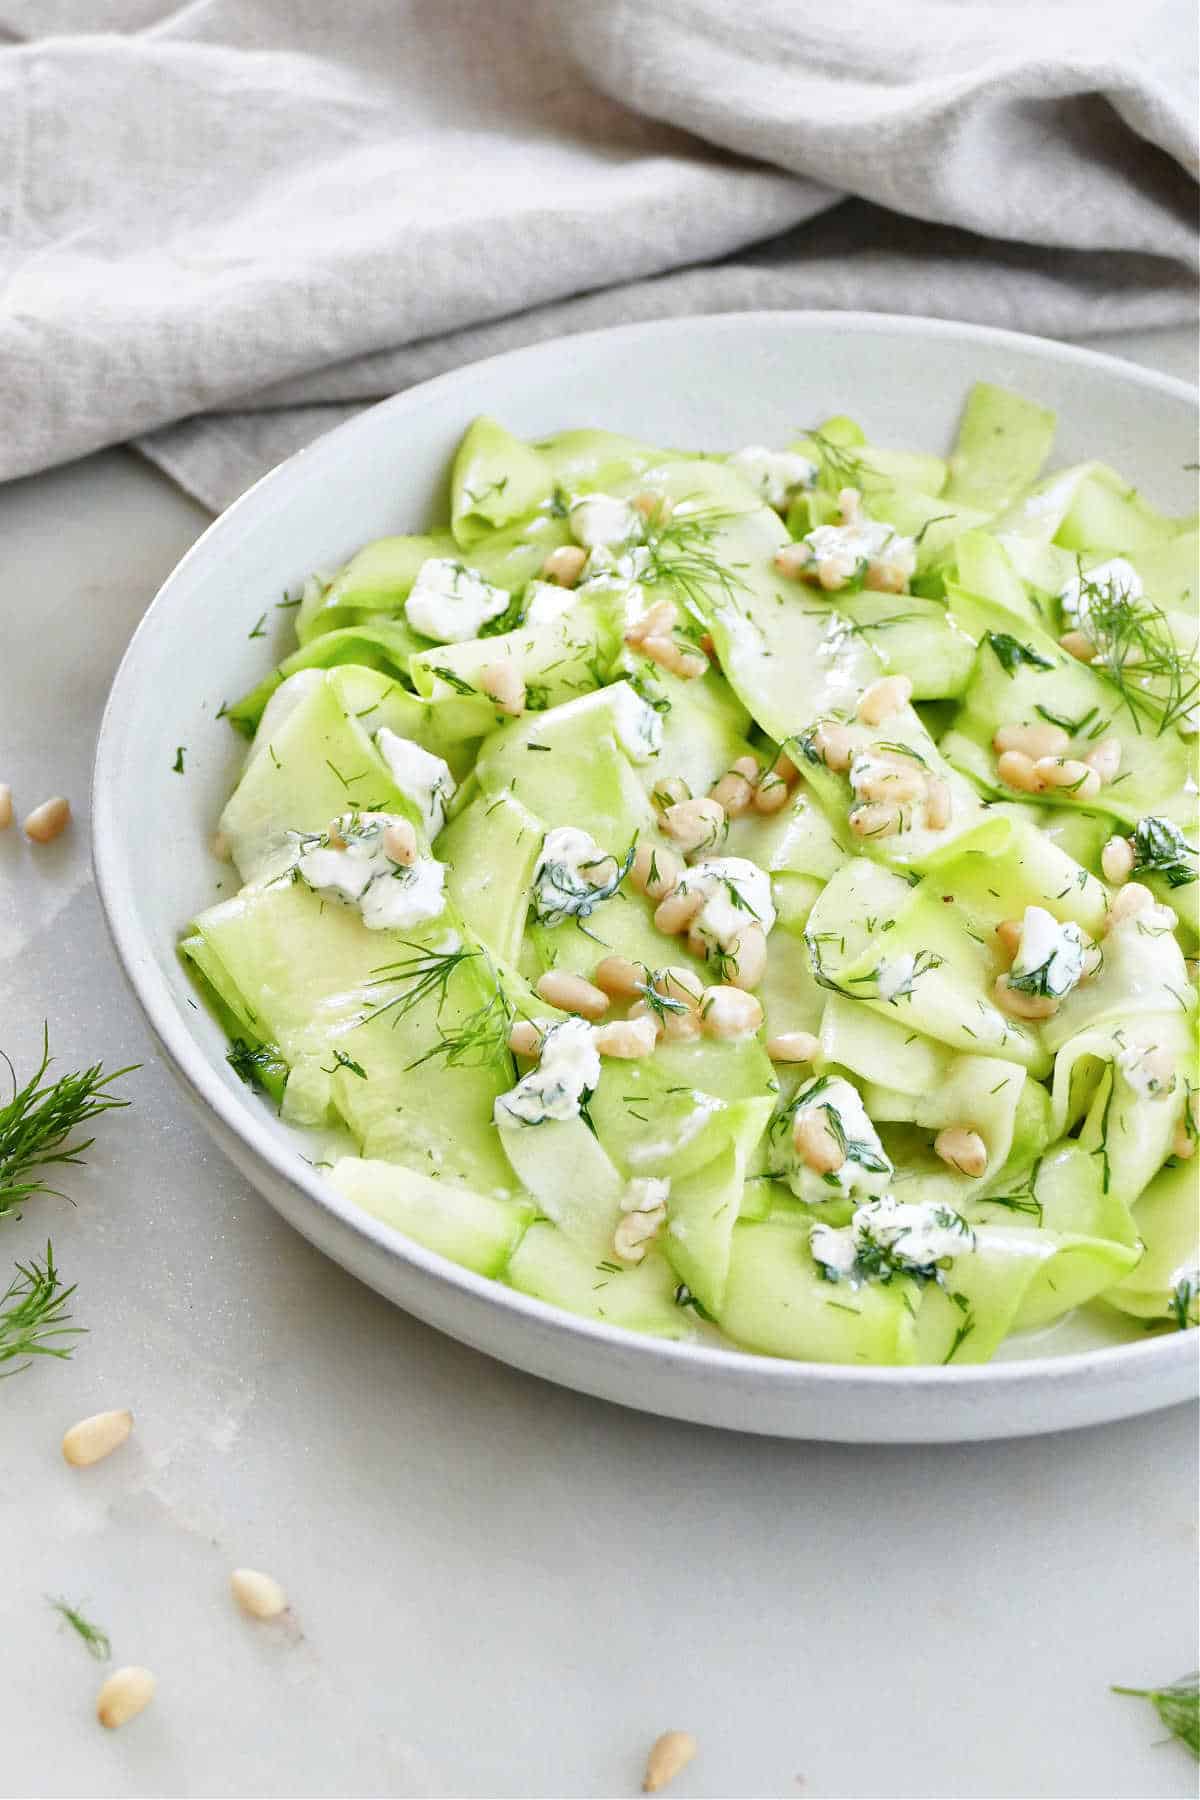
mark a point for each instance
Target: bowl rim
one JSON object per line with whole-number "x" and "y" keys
{"x": 284, "y": 1163}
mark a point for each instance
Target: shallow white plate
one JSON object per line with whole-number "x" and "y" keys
{"x": 704, "y": 383}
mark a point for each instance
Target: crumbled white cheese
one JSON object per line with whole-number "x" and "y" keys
{"x": 568, "y": 1068}
{"x": 736, "y": 891}
{"x": 646, "y": 1193}
{"x": 867, "y": 1168}
{"x": 1148, "y": 1071}
{"x": 422, "y": 777}
{"x": 628, "y": 563}
{"x": 603, "y": 519}
{"x": 572, "y": 875}
{"x": 894, "y": 976}
{"x": 887, "y": 1236}
{"x": 1049, "y": 959}
{"x": 546, "y": 602}
{"x": 639, "y": 729}
{"x": 451, "y": 603}
{"x": 1117, "y": 578}
{"x": 850, "y": 548}
{"x": 774, "y": 474}
{"x": 356, "y": 870}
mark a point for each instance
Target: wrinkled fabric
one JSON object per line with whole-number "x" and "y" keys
{"x": 226, "y": 225}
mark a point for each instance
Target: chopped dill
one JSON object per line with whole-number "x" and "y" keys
{"x": 94, "y": 1640}
{"x": 260, "y": 628}
{"x": 681, "y": 557}
{"x": 177, "y": 765}
{"x": 33, "y": 1315}
{"x": 342, "y": 1061}
{"x": 1011, "y": 653}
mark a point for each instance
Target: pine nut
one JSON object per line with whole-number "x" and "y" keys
{"x": 1116, "y": 860}
{"x": 1133, "y": 898}
{"x": 680, "y": 984}
{"x": 672, "y": 1752}
{"x": 641, "y": 1009}
{"x": 400, "y": 843}
{"x": 1093, "y": 961}
{"x": 1032, "y": 740}
{"x": 1077, "y": 645}
{"x": 49, "y": 820}
{"x": 1105, "y": 759}
{"x": 125, "y": 1694}
{"x": 876, "y": 821}
{"x": 689, "y": 665}
{"x": 677, "y": 911}
{"x": 1019, "y": 1005}
{"x": 669, "y": 790}
{"x": 891, "y": 782}
{"x": 618, "y": 977}
{"x": 1183, "y": 1144}
{"x": 655, "y": 871}
{"x": 627, "y": 1038}
{"x": 658, "y": 620}
{"x": 1065, "y": 772}
{"x": 1009, "y": 933}
{"x": 709, "y": 646}
{"x": 571, "y": 993}
{"x": 678, "y": 1027}
{"x": 257, "y": 1594}
{"x": 653, "y": 506}
{"x": 885, "y": 578}
{"x": 814, "y": 1141}
{"x": 695, "y": 824}
{"x": 964, "y": 1150}
{"x": 1016, "y": 770}
{"x": 504, "y": 683}
{"x": 884, "y": 697}
{"x": 834, "y": 745}
{"x": 634, "y": 1231}
{"x": 734, "y": 793}
{"x": 6, "y": 806}
{"x": 97, "y": 1437}
{"x": 793, "y": 560}
{"x": 832, "y": 575}
{"x": 564, "y": 566}
{"x": 525, "y": 1039}
{"x": 748, "y": 957}
{"x": 939, "y": 803}
{"x": 747, "y": 766}
{"x": 785, "y": 768}
{"x": 794, "y": 1047}
{"x": 727, "y": 1012}
{"x": 771, "y": 794}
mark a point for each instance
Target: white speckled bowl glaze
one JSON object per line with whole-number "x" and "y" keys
{"x": 703, "y": 382}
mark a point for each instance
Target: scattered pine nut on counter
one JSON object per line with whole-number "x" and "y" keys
{"x": 126, "y": 1693}
{"x": 94, "y": 1438}
{"x": 258, "y": 1595}
{"x": 49, "y": 820}
{"x": 669, "y": 1756}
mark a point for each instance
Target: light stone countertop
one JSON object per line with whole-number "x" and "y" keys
{"x": 499, "y": 1588}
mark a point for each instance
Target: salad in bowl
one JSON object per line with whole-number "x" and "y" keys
{"x": 744, "y": 896}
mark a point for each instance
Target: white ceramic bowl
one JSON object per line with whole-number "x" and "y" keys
{"x": 703, "y": 382}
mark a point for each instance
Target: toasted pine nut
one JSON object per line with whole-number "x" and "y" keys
{"x": 1065, "y": 772}
{"x": 1077, "y": 645}
{"x": 655, "y": 871}
{"x": 618, "y": 977}
{"x": 832, "y": 575}
{"x": 675, "y": 983}
{"x": 1009, "y": 933}
{"x": 785, "y": 768}
{"x": 658, "y": 620}
{"x": 672, "y": 1752}
{"x": 834, "y": 745}
{"x": 747, "y": 766}
{"x": 697, "y": 943}
{"x": 503, "y": 682}
{"x": 400, "y": 843}
{"x": 734, "y": 793}
{"x": 885, "y": 578}
{"x": 1116, "y": 860}
{"x": 794, "y": 1047}
{"x": 677, "y": 1027}
{"x": 634, "y": 1231}
{"x": 771, "y": 794}
{"x": 876, "y": 821}
{"x": 564, "y": 566}
{"x": 49, "y": 820}
{"x": 939, "y": 803}
{"x": 641, "y": 1009}
{"x": 668, "y": 790}
{"x": 125, "y": 1694}
{"x": 1133, "y": 898}
{"x": 94, "y": 1438}
{"x": 525, "y": 1039}
{"x": 814, "y": 1141}
{"x": 1093, "y": 961}
{"x": 708, "y": 644}
{"x": 883, "y": 698}
{"x": 1183, "y": 1144}
{"x": 677, "y": 911}
{"x": 964, "y": 1150}
{"x": 627, "y": 1037}
{"x": 571, "y": 993}
{"x": 1032, "y": 740}
{"x": 896, "y": 782}
{"x": 1016, "y": 770}
{"x": 1019, "y": 1005}
{"x": 257, "y": 1594}
{"x": 727, "y": 1012}
{"x": 695, "y": 824}
{"x": 1105, "y": 759}
{"x": 653, "y": 506}
{"x": 793, "y": 560}
{"x": 6, "y": 806}
{"x": 749, "y": 957}
{"x": 689, "y": 665}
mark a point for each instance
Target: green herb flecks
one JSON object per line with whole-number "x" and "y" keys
{"x": 177, "y": 765}
{"x": 94, "y": 1640}
{"x": 39, "y": 1119}
{"x": 260, "y": 630}
{"x": 1011, "y": 654}
{"x": 34, "y": 1320}
{"x": 682, "y": 558}
{"x": 1160, "y": 848}
{"x": 1178, "y": 1706}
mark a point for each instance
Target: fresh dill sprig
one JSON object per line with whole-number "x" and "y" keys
{"x": 1011, "y": 653}
{"x": 1160, "y": 848}
{"x": 1178, "y": 1706}
{"x": 839, "y": 467}
{"x": 681, "y": 557}
{"x": 478, "y": 1041}
{"x": 425, "y": 973}
{"x": 94, "y": 1639}
{"x": 33, "y": 1315}
{"x": 1136, "y": 653}
{"x": 40, "y": 1117}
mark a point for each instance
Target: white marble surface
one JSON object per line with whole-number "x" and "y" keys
{"x": 499, "y": 1588}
